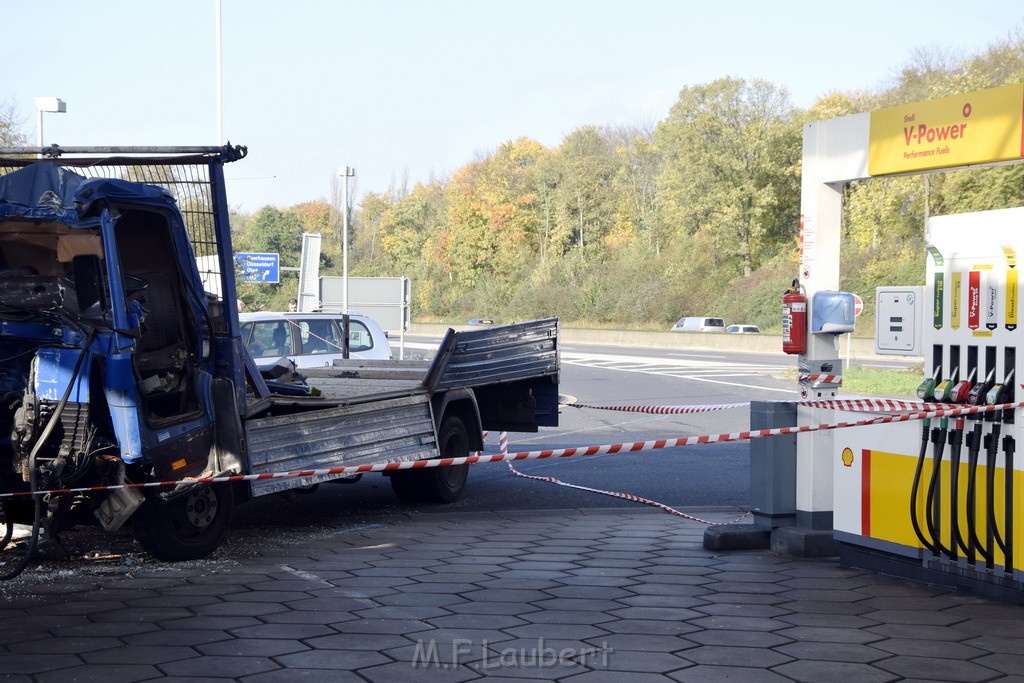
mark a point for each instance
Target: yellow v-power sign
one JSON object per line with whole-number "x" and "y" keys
{"x": 979, "y": 127}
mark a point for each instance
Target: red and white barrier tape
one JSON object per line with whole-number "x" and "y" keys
{"x": 867, "y": 405}
{"x": 634, "y": 447}
{"x": 819, "y": 377}
{"x": 618, "y": 494}
{"x": 664, "y": 410}
{"x": 873, "y": 405}
{"x": 503, "y": 446}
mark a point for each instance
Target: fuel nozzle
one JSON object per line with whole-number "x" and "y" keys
{"x": 926, "y": 390}
{"x": 944, "y": 390}
{"x": 961, "y": 390}
{"x": 979, "y": 393}
{"x": 1000, "y": 393}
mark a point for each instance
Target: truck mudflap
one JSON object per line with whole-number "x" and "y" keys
{"x": 493, "y": 355}
{"x": 395, "y": 430}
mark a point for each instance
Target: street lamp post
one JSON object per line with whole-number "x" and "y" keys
{"x": 346, "y": 173}
{"x": 53, "y": 105}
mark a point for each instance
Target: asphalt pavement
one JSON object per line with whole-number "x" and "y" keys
{"x": 573, "y": 595}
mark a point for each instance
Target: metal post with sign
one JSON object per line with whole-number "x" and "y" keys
{"x": 385, "y": 299}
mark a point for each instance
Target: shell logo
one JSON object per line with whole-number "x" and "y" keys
{"x": 847, "y": 457}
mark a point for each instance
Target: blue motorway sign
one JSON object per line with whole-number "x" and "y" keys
{"x": 255, "y": 267}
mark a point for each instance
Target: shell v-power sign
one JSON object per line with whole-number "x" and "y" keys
{"x": 984, "y": 126}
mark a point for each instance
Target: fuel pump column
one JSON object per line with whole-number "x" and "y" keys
{"x": 940, "y": 502}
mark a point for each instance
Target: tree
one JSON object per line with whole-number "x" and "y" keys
{"x": 732, "y": 150}
{"x": 319, "y": 217}
{"x": 636, "y": 189}
{"x": 275, "y": 231}
{"x": 584, "y": 200}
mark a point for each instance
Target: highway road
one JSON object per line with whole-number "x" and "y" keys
{"x": 716, "y": 474}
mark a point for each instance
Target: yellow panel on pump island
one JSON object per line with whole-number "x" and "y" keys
{"x": 979, "y": 127}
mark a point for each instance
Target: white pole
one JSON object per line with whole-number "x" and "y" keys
{"x": 220, "y": 79}
{"x": 39, "y": 127}
{"x": 346, "y": 172}
{"x": 401, "y": 316}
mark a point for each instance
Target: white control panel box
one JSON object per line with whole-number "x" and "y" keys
{"x": 898, "y": 314}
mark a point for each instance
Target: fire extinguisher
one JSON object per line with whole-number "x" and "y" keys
{"x": 794, "y": 319}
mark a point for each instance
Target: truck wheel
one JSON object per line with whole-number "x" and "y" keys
{"x": 437, "y": 484}
{"x": 186, "y": 528}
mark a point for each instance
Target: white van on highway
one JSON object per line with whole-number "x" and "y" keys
{"x": 697, "y": 324}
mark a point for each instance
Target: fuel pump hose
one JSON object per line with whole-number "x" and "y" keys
{"x": 973, "y": 449}
{"x": 956, "y": 439}
{"x": 1009, "y": 446}
{"x": 915, "y": 486}
{"x": 991, "y": 451}
{"x": 991, "y": 532}
{"x": 933, "y": 502}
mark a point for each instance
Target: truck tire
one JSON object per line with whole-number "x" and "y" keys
{"x": 437, "y": 484}
{"x": 189, "y": 527}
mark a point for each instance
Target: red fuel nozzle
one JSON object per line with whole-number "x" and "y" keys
{"x": 961, "y": 391}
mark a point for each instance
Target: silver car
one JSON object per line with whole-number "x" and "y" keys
{"x": 312, "y": 339}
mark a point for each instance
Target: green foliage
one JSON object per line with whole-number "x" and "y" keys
{"x": 731, "y": 147}
{"x": 697, "y": 214}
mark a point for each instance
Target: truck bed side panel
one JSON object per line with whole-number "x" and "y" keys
{"x": 396, "y": 430}
{"x": 494, "y": 355}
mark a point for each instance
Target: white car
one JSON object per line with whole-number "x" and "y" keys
{"x": 698, "y": 324}
{"x": 743, "y": 329}
{"x": 311, "y": 339}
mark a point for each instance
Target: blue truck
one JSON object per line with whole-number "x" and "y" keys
{"x": 121, "y": 363}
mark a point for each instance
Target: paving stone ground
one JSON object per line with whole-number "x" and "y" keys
{"x": 554, "y": 595}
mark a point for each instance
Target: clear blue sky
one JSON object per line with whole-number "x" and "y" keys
{"x": 415, "y": 88}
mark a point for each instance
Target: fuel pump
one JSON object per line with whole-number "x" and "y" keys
{"x": 964, "y": 514}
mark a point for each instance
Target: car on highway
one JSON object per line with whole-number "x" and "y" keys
{"x": 743, "y": 329}
{"x": 480, "y": 321}
{"x": 311, "y": 339}
{"x": 698, "y": 324}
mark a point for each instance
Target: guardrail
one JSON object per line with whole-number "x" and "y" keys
{"x": 755, "y": 343}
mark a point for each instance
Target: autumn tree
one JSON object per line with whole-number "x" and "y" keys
{"x": 730, "y": 167}
{"x": 585, "y": 165}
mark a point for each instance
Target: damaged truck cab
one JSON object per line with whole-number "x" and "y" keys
{"x": 108, "y": 362}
